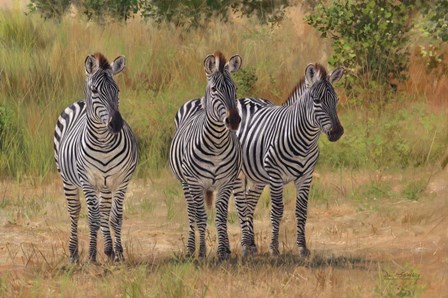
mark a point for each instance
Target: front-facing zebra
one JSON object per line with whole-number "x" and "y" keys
{"x": 95, "y": 150}
{"x": 205, "y": 154}
{"x": 279, "y": 145}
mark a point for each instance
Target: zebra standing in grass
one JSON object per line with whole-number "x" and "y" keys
{"x": 280, "y": 145}
{"x": 205, "y": 154}
{"x": 95, "y": 150}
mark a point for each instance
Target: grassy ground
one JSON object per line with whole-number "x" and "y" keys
{"x": 368, "y": 234}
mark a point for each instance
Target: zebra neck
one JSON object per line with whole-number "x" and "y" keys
{"x": 215, "y": 133}
{"x": 96, "y": 130}
{"x": 306, "y": 131}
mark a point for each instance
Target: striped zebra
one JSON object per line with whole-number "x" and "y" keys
{"x": 205, "y": 154}
{"x": 280, "y": 145}
{"x": 95, "y": 150}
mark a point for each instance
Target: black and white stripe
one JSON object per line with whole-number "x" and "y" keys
{"x": 205, "y": 154}
{"x": 95, "y": 150}
{"x": 280, "y": 145}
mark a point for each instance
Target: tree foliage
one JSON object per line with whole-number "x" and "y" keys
{"x": 434, "y": 27}
{"x": 49, "y": 9}
{"x": 369, "y": 38}
{"x": 190, "y": 13}
{"x": 437, "y": 19}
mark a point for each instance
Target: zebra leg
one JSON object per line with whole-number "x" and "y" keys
{"x": 93, "y": 218}
{"x": 222, "y": 204}
{"x": 191, "y": 243}
{"x": 116, "y": 220}
{"x": 303, "y": 185}
{"x": 105, "y": 205}
{"x": 246, "y": 201}
{"x": 276, "y": 189}
{"x": 74, "y": 207}
{"x": 198, "y": 198}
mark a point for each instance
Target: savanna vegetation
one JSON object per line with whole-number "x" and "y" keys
{"x": 368, "y": 201}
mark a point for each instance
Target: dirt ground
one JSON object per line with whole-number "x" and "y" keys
{"x": 400, "y": 238}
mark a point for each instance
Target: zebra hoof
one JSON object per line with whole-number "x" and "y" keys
{"x": 224, "y": 256}
{"x": 249, "y": 251}
{"x": 110, "y": 255}
{"x": 202, "y": 252}
{"x": 119, "y": 258}
{"x": 304, "y": 252}
{"x": 189, "y": 256}
{"x": 93, "y": 261}
{"x": 274, "y": 252}
{"x": 74, "y": 259}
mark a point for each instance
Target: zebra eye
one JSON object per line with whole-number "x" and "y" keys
{"x": 317, "y": 100}
{"x": 213, "y": 89}
{"x": 94, "y": 90}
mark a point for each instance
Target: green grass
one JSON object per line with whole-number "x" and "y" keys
{"x": 401, "y": 137}
{"x": 42, "y": 72}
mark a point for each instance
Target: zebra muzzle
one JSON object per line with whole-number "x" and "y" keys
{"x": 336, "y": 133}
{"x": 233, "y": 119}
{"x": 116, "y": 122}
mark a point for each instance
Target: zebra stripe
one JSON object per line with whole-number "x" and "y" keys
{"x": 95, "y": 150}
{"x": 205, "y": 154}
{"x": 279, "y": 145}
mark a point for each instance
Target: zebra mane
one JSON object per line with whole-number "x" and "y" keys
{"x": 300, "y": 88}
{"x": 322, "y": 72}
{"x": 297, "y": 89}
{"x": 102, "y": 61}
{"x": 220, "y": 60}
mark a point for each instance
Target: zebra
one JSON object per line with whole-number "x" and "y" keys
{"x": 280, "y": 145}
{"x": 96, "y": 150}
{"x": 205, "y": 155}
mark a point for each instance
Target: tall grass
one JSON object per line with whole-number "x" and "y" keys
{"x": 42, "y": 71}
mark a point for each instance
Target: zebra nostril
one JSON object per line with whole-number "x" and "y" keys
{"x": 116, "y": 122}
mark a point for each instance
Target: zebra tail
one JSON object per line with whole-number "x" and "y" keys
{"x": 209, "y": 199}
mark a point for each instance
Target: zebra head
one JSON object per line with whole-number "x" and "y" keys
{"x": 220, "y": 98}
{"x": 102, "y": 91}
{"x": 324, "y": 99}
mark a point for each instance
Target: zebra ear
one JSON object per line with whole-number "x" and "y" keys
{"x": 336, "y": 75}
{"x": 91, "y": 64}
{"x": 118, "y": 64}
{"x": 234, "y": 63}
{"x": 310, "y": 73}
{"x": 210, "y": 64}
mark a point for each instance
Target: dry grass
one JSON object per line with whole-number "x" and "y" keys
{"x": 376, "y": 245}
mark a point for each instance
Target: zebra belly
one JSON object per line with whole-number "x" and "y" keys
{"x": 289, "y": 168}
{"x": 215, "y": 179}
{"x": 101, "y": 180}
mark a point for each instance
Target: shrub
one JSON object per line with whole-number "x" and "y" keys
{"x": 369, "y": 38}
{"x": 245, "y": 79}
{"x": 178, "y": 12}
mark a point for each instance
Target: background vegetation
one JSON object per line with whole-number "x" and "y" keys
{"x": 42, "y": 72}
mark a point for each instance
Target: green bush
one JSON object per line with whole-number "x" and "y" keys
{"x": 178, "y": 12}
{"x": 436, "y": 19}
{"x": 245, "y": 79}
{"x": 49, "y": 9}
{"x": 369, "y": 38}
{"x": 434, "y": 29}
